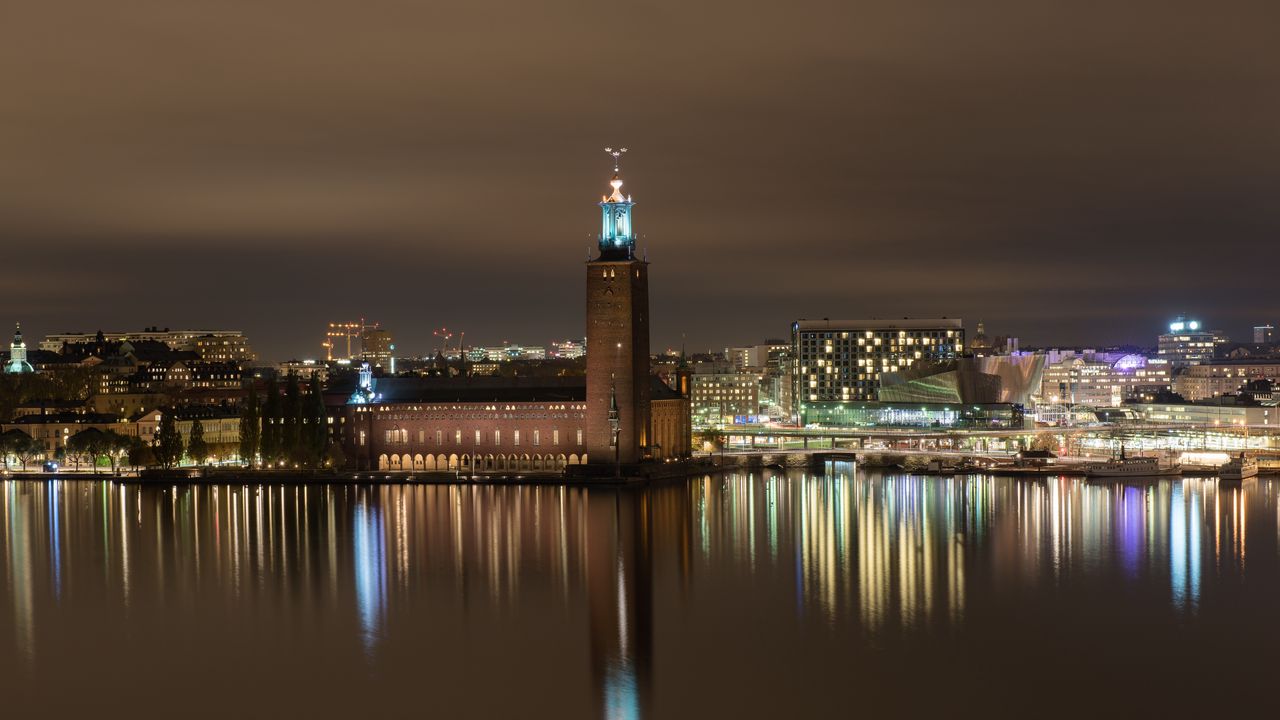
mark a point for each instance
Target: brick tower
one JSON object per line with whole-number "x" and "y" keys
{"x": 617, "y": 337}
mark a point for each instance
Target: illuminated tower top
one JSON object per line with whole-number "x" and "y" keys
{"x": 617, "y": 239}
{"x": 18, "y": 354}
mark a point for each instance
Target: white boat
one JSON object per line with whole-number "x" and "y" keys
{"x": 1131, "y": 467}
{"x": 1238, "y": 468}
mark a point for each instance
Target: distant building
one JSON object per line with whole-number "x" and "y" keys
{"x": 720, "y": 396}
{"x": 1222, "y": 377}
{"x": 377, "y": 347}
{"x": 843, "y": 360}
{"x": 967, "y": 392}
{"x": 304, "y": 369}
{"x": 128, "y": 404}
{"x": 222, "y": 349}
{"x": 215, "y": 343}
{"x": 1264, "y": 334}
{"x": 49, "y": 407}
{"x": 980, "y": 345}
{"x": 671, "y": 436}
{"x": 990, "y": 380}
{"x": 756, "y": 357}
{"x": 1225, "y": 415}
{"x": 770, "y": 362}
{"x": 1000, "y": 416}
{"x": 1188, "y": 343}
{"x": 54, "y": 429}
{"x": 568, "y": 349}
{"x": 219, "y": 424}
{"x": 1102, "y": 379}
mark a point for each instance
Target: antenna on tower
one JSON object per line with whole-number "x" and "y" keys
{"x": 617, "y": 155}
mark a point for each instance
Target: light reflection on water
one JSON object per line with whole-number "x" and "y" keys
{"x": 599, "y": 594}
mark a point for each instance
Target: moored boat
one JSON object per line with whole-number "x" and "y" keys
{"x": 1131, "y": 467}
{"x": 1238, "y": 468}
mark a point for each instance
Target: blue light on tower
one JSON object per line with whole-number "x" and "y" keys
{"x": 364, "y": 392}
{"x": 617, "y": 239}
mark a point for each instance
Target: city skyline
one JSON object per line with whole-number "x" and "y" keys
{"x": 639, "y": 360}
{"x": 853, "y": 161}
{"x": 428, "y": 346}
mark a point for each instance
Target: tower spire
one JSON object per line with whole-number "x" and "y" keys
{"x": 617, "y": 158}
{"x": 617, "y": 238}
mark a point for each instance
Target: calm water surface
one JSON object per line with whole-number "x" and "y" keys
{"x": 852, "y": 594}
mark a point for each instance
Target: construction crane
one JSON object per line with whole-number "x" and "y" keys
{"x": 342, "y": 330}
{"x": 444, "y": 335}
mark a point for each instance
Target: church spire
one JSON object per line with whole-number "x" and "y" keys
{"x": 617, "y": 239}
{"x": 18, "y": 353}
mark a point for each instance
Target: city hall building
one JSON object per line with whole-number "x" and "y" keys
{"x": 618, "y": 415}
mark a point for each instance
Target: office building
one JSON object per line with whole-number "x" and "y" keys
{"x": 377, "y": 347}
{"x": 1222, "y": 377}
{"x": 720, "y": 396}
{"x": 1094, "y": 379}
{"x": 843, "y": 360}
{"x": 1188, "y": 343}
{"x": 236, "y": 346}
{"x": 222, "y": 349}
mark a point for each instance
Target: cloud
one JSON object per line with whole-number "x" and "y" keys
{"x": 278, "y": 165}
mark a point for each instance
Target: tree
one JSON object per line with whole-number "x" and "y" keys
{"x": 139, "y": 454}
{"x": 710, "y": 440}
{"x": 1045, "y": 441}
{"x": 88, "y": 444}
{"x": 197, "y": 448}
{"x": 28, "y": 450}
{"x": 168, "y": 445}
{"x": 9, "y": 442}
{"x": 291, "y": 413}
{"x": 118, "y": 445}
{"x": 334, "y": 457}
{"x": 271, "y": 436}
{"x": 250, "y": 428}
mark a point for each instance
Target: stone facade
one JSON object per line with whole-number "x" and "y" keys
{"x": 617, "y": 359}
{"x": 466, "y": 437}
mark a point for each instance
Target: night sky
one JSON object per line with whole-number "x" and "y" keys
{"x": 1071, "y": 172}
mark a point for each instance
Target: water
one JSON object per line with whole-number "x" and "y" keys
{"x": 747, "y": 596}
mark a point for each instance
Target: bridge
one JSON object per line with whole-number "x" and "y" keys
{"x": 1179, "y": 436}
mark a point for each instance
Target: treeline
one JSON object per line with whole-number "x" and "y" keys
{"x": 59, "y": 385}
{"x": 286, "y": 429}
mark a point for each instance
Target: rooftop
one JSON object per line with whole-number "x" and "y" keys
{"x": 881, "y": 324}
{"x": 476, "y": 390}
